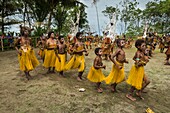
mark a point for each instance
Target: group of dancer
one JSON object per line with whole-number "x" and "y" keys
{"x": 54, "y": 55}
{"x": 137, "y": 77}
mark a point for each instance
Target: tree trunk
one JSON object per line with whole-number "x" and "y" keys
{"x": 28, "y": 16}
{"x": 3, "y": 3}
{"x": 138, "y": 22}
{"x": 125, "y": 26}
{"x": 162, "y": 27}
{"x": 24, "y": 13}
{"x": 49, "y": 21}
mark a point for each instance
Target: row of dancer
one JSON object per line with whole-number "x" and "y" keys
{"x": 136, "y": 78}
{"x": 53, "y": 55}
{"x": 55, "y": 58}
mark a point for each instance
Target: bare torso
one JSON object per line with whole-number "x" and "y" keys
{"x": 51, "y": 43}
{"x": 120, "y": 57}
{"x": 61, "y": 48}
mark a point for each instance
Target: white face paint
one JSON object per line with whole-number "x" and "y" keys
{"x": 100, "y": 52}
{"x": 62, "y": 40}
{"x": 80, "y": 37}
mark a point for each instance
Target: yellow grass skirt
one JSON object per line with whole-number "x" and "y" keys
{"x": 76, "y": 61}
{"x": 50, "y": 58}
{"x": 116, "y": 75}
{"x": 95, "y": 75}
{"x": 27, "y": 60}
{"x": 60, "y": 66}
{"x": 135, "y": 77}
{"x": 41, "y": 53}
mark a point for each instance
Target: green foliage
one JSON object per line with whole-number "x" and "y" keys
{"x": 39, "y": 9}
{"x": 129, "y": 12}
{"x": 65, "y": 12}
{"x": 9, "y": 8}
{"x": 157, "y": 13}
{"x": 109, "y": 11}
{"x": 39, "y": 30}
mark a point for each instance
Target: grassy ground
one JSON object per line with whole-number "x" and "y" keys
{"x": 55, "y": 94}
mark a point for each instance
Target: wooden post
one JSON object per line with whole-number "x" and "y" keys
{"x": 2, "y": 46}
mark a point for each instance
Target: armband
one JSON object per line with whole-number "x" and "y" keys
{"x": 137, "y": 59}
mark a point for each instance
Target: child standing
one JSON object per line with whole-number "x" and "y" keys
{"x": 61, "y": 55}
{"x": 95, "y": 74}
{"x": 117, "y": 73}
{"x": 137, "y": 75}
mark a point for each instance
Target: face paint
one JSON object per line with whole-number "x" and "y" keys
{"x": 143, "y": 47}
{"x": 100, "y": 52}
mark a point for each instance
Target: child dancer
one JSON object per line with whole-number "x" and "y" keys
{"x": 117, "y": 73}
{"x": 77, "y": 60}
{"x": 95, "y": 74}
{"x": 41, "y": 44}
{"x": 137, "y": 74}
{"x": 61, "y": 55}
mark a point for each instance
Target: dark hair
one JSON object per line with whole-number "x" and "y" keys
{"x": 49, "y": 33}
{"x": 60, "y": 37}
{"x": 78, "y": 34}
{"x": 41, "y": 34}
{"x": 23, "y": 32}
{"x": 97, "y": 50}
{"x": 139, "y": 42}
{"x": 118, "y": 41}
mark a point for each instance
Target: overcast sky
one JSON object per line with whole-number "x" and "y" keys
{"x": 103, "y": 21}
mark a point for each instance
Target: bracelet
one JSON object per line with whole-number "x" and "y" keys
{"x": 137, "y": 59}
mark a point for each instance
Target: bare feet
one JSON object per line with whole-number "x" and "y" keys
{"x": 113, "y": 90}
{"x": 52, "y": 71}
{"x": 129, "y": 96}
{"x": 143, "y": 91}
{"x": 30, "y": 77}
{"x": 139, "y": 96}
{"x": 61, "y": 74}
{"x": 79, "y": 79}
{"x": 48, "y": 72}
{"x": 167, "y": 63}
{"x": 99, "y": 90}
{"x": 27, "y": 78}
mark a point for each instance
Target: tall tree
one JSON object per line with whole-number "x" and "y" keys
{"x": 127, "y": 13}
{"x": 7, "y": 9}
{"x": 109, "y": 11}
{"x": 66, "y": 11}
{"x": 157, "y": 13}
